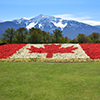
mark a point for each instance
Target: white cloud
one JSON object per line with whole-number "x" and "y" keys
{"x": 84, "y": 19}
{"x": 65, "y": 16}
{"x": 25, "y": 18}
{"x": 91, "y": 22}
{"x": 1, "y": 21}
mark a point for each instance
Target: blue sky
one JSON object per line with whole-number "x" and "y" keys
{"x": 87, "y": 11}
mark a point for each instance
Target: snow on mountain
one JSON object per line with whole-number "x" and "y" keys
{"x": 40, "y": 25}
{"x": 59, "y": 24}
{"x": 24, "y": 18}
{"x": 70, "y": 28}
{"x": 31, "y": 25}
{"x": 41, "y": 20}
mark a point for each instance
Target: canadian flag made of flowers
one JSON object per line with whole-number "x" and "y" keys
{"x": 53, "y": 51}
{"x": 52, "y": 48}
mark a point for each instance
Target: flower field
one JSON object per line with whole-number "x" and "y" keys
{"x": 8, "y": 50}
{"x": 52, "y": 51}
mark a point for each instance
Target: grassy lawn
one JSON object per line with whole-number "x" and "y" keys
{"x": 49, "y": 81}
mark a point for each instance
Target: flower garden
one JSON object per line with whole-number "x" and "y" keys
{"x": 50, "y": 52}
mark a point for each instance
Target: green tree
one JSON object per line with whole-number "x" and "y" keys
{"x": 97, "y": 41}
{"x": 69, "y": 40}
{"x": 46, "y": 37}
{"x": 57, "y": 33}
{"x": 61, "y": 39}
{"x": 81, "y": 38}
{"x": 88, "y": 39}
{"x": 51, "y": 38}
{"x": 66, "y": 39}
{"x": 74, "y": 41}
{"x": 35, "y": 35}
{"x": 21, "y": 35}
{"x": 94, "y": 37}
{"x": 1, "y": 41}
{"x": 9, "y": 35}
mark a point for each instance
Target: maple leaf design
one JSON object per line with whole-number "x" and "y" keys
{"x": 52, "y": 48}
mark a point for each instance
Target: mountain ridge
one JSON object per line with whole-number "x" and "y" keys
{"x": 70, "y": 28}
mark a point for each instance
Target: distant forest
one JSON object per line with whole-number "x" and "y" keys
{"x": 36, "y": 36}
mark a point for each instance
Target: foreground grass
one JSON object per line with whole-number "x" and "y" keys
{"x": 49, "y": 81}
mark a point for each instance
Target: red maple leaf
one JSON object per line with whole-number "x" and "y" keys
{"x": 52, "y": 48}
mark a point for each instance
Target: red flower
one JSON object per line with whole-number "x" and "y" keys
{"x": 92, "y": 50}
{"x": 8, "y": 50}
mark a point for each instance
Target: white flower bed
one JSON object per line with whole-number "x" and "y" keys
{"x": 24, "y": 53}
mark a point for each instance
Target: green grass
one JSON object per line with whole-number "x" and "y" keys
{"x": 49, "y": 81}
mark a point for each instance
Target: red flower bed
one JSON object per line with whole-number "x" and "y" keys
{"x": 8, "y": 50}
{"x": 92, "y": 50}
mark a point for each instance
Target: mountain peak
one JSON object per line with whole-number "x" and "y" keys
{"x": 42, "y": 16}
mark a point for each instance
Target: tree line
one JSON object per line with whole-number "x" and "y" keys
{"x": 35, "y": 35}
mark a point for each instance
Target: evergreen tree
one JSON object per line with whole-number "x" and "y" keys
{"x": 35, "y": 35}
{"x": 9, "y": 35}
{"x": 66, "y": 39}
{"x": 45, "y": 37}
{"x": 1, "y": 41}
{"x": 94, "y": 37}
{"x": 88, "y": 40}
{"x": 81, "y": 38}
{"x": 74, "y": 40}
{"x": 21, "y": 35}
{"x": 57, "y": 33}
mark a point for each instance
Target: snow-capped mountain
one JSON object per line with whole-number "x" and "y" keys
{"x": 70, "y": 28}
